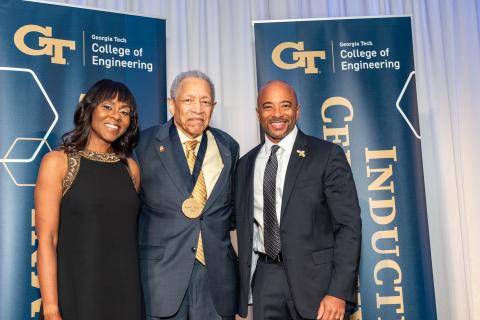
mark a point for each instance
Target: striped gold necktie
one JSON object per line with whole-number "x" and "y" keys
{"x": 199, "y": 192}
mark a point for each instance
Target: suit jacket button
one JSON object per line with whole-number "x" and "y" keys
{"x": 193, "y": 249}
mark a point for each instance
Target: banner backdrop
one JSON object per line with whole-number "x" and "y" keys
{"x": 50, "y": 54}
{"x": 355, "y": 80}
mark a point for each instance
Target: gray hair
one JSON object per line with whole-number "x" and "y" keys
{"x": 191, "y": 74}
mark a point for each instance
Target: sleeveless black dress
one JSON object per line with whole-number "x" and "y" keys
{"x": 97, "y": 255}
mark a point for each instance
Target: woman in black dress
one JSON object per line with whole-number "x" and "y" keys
{"x": 86, "y": 206}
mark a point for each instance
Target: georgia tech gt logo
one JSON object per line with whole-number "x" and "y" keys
{"x": 303, "y": 59}
{"x": 48, "y": 46}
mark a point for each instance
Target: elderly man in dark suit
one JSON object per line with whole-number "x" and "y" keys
{"x": 298, "y": 219}
{"x": 188, "y": 267}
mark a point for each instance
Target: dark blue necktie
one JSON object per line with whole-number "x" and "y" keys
{"x": 271, "y": 233}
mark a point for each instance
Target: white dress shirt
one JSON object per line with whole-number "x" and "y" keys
{"x": 283, "y": 155}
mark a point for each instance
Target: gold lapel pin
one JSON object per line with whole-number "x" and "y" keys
{"x": 162, "y": 149}
{"x": 301, "y": 153}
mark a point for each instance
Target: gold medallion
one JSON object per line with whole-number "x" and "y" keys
{"x": 191, "y": 208}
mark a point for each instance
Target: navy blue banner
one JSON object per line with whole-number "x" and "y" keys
{"x": 51, "y": 54}
{"x": 355, "y": 80}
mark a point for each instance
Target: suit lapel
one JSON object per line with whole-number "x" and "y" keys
{"x": 249, "y": 179}
{"x": 171, "y": 155}
{"x": 295, "y": 164}
{"x": 224, "y": 174}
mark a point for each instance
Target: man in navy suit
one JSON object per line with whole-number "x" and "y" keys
{"x": 298, "y": 219}
{"x": 188, "y": 267}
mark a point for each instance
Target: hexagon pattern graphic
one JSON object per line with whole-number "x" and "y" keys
{"x": 7, "y": 157}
